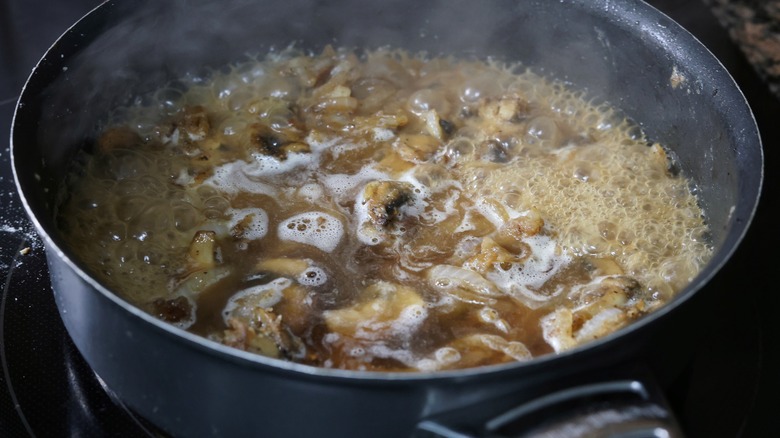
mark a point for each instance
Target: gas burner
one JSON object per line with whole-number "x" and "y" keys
{"x": 46, "y": 384}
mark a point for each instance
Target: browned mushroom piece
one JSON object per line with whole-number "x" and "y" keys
{"x": 491, "y": 255}
{"x": 482, "y": 349}
{"x": 383, "y": 311}
{"x": 597, "y": 310}
{"x": 529, "y": 224}
{"x": 276, "y": 144}
{"x": 202, "y": 249}
{"x": 243, "y": 336}
{"x": 263, "y": 333}
{"x": 383, "y": 200}
{"x": 118, "y": 137}
{"x": 610, "y": 292}
{"x": 193, "y": 123}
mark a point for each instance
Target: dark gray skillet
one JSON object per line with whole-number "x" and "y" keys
{"x": 623, "y": 52}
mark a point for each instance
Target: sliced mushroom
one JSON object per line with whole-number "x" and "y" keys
{"x": 461, "y": 283}
{"x": 600, "y": 309}
{"x": 256, "y": 326}
{"x": 277, "y": 144}
{"x": 608, "y": 292}
{"x": 493, "y": 256}
{"x": 484, "y": 349}
{"x": 203, "y": 249}
{"x": 383, "y": 200}
{"x": 528, "y": 224}
{"x": 418, "y": 147}
{"x": 193, "y": 123}
{"x": 242, "y": 335}
{"x": 118, "y": 137}
{"x": 383, "y": 311}
{"x": 284, "y": 266}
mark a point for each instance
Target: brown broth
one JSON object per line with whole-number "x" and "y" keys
{"x": 385, "y": 212}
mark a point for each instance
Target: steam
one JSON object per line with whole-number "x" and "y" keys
{"x": 149, "y": 43}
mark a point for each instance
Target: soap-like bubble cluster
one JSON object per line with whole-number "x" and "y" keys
{"x": 314, "y": 228}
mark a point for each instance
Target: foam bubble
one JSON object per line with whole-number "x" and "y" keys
{"x": 264, "y": 295}
{"x": 267, "y": 165}
{"x": 383, "y": 134}
{"x": 255, "y": 228}
{"x": 230, "y": 178}
{"x": 466, "y": 224}
{"x": 313, "y": 276}
{"x": 357, "y": 352}
{"x": 314, "y": 228}
{"x": 434, "y": 216}
{"x": 408, "y": 320}
{"x": 342, "y": 186}
{"x": 447, "y": 355}
{"x": 311, "y": 192}
{"x": 319, "y": 142}
{"x": 521, "y": 279}
{"x": 420, "y": 200}
{"x": 382, "y": 350}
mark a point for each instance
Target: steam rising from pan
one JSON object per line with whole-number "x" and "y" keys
{"x": 137, "y": 46}
{"x": 149, "y": 43}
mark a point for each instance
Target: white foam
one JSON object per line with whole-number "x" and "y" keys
{"x": 434, "y": 216}
{"x": 601, "y": 323}
{"x": 494, "y": 214}
{"x": 8, "y": 229}
{"x": 381, "y": 350}
{"x": 383, "y": 134}
{"x": 314, "y": 228}
{"x": 319, "y": 142}
{"x": 366, "y": 233}
{"x": 313, "y": 276}
{"x": 242, "y": 176}
{"x": 230, "y": 178}
{"x": 420, "y": 199}
{"x": 416, "y": 207}
{"x": 267, "y": 165}
{"x": 523, "y": 278}
{"x": 342, "y": 186}
{"x": 311, "y": 192}
{"x": 264, "y": 295}
{"x": 257, "y": 227}
{"x": 408, "y": 320}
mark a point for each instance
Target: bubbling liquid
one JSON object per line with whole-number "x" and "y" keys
{"x": 383, "y": 212}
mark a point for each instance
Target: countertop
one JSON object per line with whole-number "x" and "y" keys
{"x": 754, "y": 25}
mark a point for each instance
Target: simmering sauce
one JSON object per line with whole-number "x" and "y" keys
{"x": 383, "y": 211}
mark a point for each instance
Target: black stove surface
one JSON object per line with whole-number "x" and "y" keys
{"x": 46, "y": 388}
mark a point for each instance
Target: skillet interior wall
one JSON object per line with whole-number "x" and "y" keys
{"x": 145, "y": 43}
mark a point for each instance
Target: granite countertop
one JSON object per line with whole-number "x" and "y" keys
{"x": 755, "y": 26}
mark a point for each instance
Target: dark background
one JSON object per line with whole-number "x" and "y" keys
{"x": 730, "y": 389}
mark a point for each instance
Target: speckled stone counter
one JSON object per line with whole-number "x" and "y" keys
{"x": 755, "y": 26}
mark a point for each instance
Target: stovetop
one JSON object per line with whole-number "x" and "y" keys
{"x": 46, "y": 388}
